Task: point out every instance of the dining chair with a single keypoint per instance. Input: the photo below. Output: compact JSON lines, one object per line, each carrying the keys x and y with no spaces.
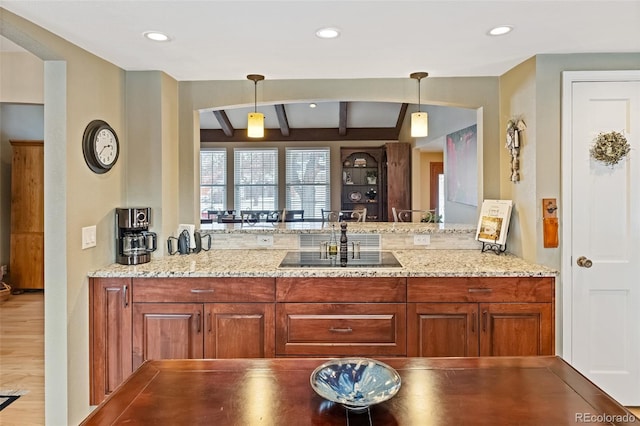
{"x":251,"y":217}
{"x":293,"y":215}
{"x":356,"y":215}
{"x":406,"y":215}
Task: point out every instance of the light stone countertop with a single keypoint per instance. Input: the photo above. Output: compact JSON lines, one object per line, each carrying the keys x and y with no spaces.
{"x":353,"y":228}
{"x":264,"y":263}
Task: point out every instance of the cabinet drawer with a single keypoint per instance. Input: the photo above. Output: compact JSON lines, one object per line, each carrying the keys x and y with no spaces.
{"x":176,"y":290}
{"x":340,"y":329}
{"x":327,"y":290}
{"x":481,"y":289}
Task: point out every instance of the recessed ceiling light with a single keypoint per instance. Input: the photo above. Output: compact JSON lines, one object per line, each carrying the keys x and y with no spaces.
{"x":156,"y":36}
{"x":313,"y":105}
{"x":501,"y":30}
{"x":328,"y":32}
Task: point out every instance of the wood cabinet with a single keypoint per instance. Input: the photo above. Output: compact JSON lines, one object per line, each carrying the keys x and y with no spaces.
{"x":202,"y":318}
{"x":26,"y":258}
{"x":340,"y":316}
{"x":480,"y":316}
{"x":134,"y":320}
{"x":167,"y":331}
{"x":110,"y":335}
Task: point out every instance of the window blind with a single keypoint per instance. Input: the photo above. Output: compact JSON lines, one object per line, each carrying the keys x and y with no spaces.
{"x":213,"y":181}
{"x":307,"y":180}
{"x":256,"y":179}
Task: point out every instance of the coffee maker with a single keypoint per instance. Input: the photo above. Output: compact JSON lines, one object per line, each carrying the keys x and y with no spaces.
{"x":134,"y":241}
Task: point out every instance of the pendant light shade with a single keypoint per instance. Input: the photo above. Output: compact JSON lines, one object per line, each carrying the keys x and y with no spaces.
{"x":255,"y":119}
{"x":255,"y":125}
{"x":419,"y":120}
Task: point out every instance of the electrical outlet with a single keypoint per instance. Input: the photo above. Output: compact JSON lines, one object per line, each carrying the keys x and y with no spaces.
{"x":88,"y":237}
{"x":265,"y":240}
{"x":421,"y":240}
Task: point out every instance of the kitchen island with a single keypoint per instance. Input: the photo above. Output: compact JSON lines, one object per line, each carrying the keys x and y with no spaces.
{"x":435,"y":391}
{"x":239,"y":303}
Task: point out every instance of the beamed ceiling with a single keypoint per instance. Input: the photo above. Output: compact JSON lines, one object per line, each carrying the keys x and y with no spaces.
{"x":334,"y":121}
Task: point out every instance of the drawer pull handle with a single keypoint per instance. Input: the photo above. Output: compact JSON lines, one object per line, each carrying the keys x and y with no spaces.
{"x":125,"y":295}
{"x":341,"y":330}
{"x":202,"y":290}
{"x":480,"y":290}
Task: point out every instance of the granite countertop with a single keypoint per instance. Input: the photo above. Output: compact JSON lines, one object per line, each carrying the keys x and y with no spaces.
{"x":264,"y":263}
{"x":354,"y":228}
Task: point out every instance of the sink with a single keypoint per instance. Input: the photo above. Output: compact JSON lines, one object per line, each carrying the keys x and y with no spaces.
{"x":366,"y":259}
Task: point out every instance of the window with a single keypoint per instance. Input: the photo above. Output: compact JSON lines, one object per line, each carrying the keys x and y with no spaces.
{"x":256,"y":179}
{"x":213,"y":181}
{"x":307,"y":181}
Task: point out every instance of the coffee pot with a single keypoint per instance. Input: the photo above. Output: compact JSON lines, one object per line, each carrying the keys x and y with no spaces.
{"x":138,"y":243}
{"x":184,"y":243}
{"x":134,"y":241}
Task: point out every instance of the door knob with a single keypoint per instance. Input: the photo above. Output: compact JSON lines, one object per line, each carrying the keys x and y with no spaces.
{"x":584,"y":262}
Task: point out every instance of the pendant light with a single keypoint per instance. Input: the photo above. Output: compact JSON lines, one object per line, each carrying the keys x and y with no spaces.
{"x":419,"y":120}
{"x":255,"y":121}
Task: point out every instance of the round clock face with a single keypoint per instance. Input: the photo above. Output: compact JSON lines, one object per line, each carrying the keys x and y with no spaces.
{"x":100,"y":146}
{"x":106,"y":146}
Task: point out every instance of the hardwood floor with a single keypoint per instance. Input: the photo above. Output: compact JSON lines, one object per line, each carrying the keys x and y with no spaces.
{"x":22,"y":357}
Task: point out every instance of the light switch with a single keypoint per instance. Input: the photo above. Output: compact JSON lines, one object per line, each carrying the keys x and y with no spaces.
{"x":88,"y":237}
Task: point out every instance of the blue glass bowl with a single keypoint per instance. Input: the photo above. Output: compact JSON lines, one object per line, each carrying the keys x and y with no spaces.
{"x":356,"y":383}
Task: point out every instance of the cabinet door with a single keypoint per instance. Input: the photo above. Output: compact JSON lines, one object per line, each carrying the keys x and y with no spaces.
{"x":239,"y":330}
{"x":167,"y":331}
{"x":110,"y":337}
{"x":516,"y":329}
{"x":442,"y":329}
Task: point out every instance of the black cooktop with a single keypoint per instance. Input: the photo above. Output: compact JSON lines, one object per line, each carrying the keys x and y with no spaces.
{"x":365,"y":259}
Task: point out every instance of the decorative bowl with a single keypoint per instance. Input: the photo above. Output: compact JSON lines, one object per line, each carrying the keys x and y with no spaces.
{"x":356,"y":383}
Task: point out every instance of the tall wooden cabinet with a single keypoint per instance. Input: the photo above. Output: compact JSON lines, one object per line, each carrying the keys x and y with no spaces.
{"x":26,"y":259}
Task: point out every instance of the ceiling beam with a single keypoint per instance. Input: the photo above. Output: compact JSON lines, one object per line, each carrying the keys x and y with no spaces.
{"x":401,"y":116}
{"x":282,"y":119}
{"x":305,"y":135}
{"x":222,"y":118}
{"x":342,"y":122}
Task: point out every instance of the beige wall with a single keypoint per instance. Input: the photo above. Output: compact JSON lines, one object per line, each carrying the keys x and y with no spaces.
{"x":476,"y":92}
{"x":21,"y":78}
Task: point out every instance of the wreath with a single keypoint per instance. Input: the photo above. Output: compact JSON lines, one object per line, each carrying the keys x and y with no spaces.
{"x":610,"y":148}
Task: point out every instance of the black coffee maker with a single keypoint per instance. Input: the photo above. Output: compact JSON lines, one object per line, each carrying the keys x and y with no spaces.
{"x":134,"y":241}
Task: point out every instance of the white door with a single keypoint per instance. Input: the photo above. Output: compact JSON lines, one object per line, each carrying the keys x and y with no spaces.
{"x":602,"y":217}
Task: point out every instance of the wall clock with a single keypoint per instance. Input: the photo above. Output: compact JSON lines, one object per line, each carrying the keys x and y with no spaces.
{"x":100,"y":146}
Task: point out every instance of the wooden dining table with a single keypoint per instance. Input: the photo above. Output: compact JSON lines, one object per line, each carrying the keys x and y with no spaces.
{"x":435,"y":391}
